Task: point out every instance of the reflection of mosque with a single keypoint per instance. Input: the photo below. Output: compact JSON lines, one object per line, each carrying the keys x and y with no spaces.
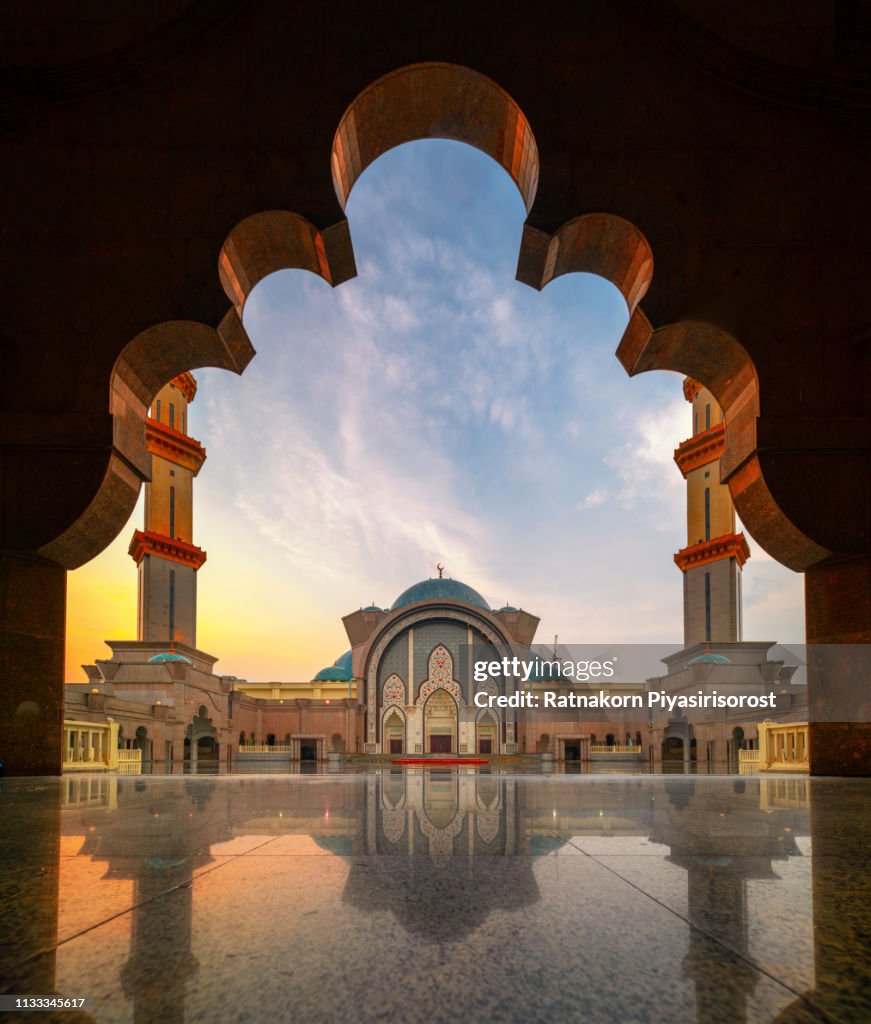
{"x":439,"y":850}
{"x":425,"y":835}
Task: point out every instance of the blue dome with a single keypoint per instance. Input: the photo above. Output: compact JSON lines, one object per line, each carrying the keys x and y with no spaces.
{"x":435,"y":590}
{"x":372,"y":608}
{"x":710,"y":659}
{"x":344,"y":661}
{"x":508,"y":608}
{"x":333,"y":674}
{"x":160,"y":659}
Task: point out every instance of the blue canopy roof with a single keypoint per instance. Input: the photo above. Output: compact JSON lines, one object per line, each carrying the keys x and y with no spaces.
{"x":710,"y":659}
{"x":165,"y":656}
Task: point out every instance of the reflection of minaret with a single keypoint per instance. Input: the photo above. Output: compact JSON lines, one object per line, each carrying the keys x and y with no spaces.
{"x":162,"y":924}
{"x":716,"y":893}
{"x":168,"y":559}
{"x":712,"y":560}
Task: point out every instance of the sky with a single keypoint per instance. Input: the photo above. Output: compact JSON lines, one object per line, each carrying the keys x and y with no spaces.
{"x":430,"y":410}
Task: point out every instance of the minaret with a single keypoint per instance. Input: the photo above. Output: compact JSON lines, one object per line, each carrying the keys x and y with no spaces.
{"x":712,"y":560}
{"x":168,"y":559}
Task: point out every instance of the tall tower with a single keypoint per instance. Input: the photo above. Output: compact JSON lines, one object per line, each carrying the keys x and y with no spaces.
{"x":168,"y":559}
{"x":713,"y":558}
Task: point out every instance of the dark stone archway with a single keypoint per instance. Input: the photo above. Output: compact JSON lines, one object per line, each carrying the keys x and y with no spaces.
{"x":140,"y":153}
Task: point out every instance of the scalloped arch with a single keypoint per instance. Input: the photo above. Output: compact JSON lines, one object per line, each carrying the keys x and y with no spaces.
{"x":717,"y":359}
{"x":148,"y":362}
{"x":434,"y":100}
{"x":594,"y":243}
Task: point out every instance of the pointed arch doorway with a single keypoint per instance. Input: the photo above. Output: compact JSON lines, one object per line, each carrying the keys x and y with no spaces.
{"x":440,"y":723}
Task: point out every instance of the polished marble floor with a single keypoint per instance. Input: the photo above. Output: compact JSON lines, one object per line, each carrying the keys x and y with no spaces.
{"x":451,"y":895}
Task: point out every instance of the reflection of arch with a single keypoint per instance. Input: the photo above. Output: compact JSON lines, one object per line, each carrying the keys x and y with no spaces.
{"x":487,"y":793}
{"x":487,"y":824}
{"x":393,"y":730}
{"x":441,"y":818}
{"x":393,"y":807}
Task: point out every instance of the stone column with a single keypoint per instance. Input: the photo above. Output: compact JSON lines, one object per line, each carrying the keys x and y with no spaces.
{"x":32,"y":634}
{"x":838,"y":612}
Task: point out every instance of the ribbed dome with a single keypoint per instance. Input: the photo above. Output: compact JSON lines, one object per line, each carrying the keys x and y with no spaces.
{"x":165,"y":656}
{"x":440,"y":589}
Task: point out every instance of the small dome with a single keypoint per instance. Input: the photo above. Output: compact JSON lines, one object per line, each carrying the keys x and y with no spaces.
{"x":440,"y":589}
{"x":710,"y":659}
{"x":344,"y":661}
{"x":508,"y":608}
{"x":162,"y":658}
{"x":333,"y":674}
{"x":372,"y":608}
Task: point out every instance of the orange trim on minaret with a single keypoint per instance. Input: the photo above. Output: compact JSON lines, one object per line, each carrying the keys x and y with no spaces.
{"x":147,"y":543}
{"x":186,"y":384}
{"x":701,"y":449}
{"x":691,"y":388}
{"x":731,"y":545}
{"x":174,"y":446}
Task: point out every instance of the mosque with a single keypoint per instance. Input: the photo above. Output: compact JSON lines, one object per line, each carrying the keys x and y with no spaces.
{"x":405,"y":686}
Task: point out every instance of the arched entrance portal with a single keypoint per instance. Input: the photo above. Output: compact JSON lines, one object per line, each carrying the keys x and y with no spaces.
{"x":440,"y":723}
{"x":394,"y":732}
{"x":672,"y":748}
{"x":487,"y":738}
{"x":201,"y":742}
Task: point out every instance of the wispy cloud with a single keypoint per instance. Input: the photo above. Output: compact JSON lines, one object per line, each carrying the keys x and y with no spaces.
{"x":595,"y":498}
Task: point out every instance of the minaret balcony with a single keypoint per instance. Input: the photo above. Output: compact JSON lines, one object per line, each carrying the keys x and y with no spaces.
{"x":147,"y":543}
{"x":175,"y":447}
{"x":730,"y":545}
{"x":701,"y":449}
